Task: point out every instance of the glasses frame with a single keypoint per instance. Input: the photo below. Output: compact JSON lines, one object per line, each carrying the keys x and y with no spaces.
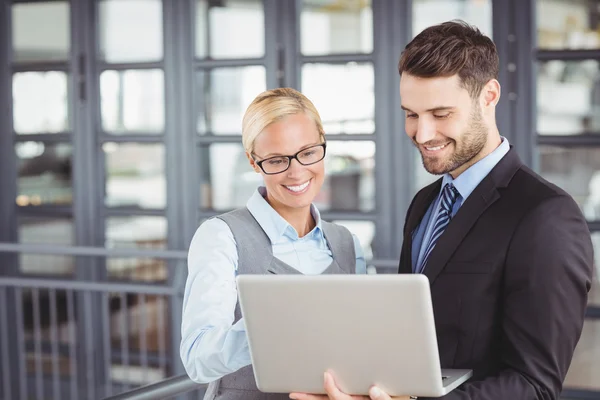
{"x":290,"y":158}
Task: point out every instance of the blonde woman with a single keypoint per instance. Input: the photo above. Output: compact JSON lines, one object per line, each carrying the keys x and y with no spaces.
{"x":279,"y":231}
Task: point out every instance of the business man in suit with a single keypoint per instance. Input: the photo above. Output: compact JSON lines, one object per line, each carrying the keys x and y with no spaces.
{"x":508,"y":255}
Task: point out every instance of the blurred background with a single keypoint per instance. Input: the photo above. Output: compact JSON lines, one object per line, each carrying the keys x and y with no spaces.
{"x":120,"y":133}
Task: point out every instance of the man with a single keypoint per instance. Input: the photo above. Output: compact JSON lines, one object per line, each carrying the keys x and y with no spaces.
{"x":508,"y":255}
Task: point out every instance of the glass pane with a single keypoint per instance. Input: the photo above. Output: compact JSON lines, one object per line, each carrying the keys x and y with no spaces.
{"x":139,"y":319}
{"x":585,"y":368}
{"x":594,"y":296}
{"x":36,"y":264}
{"x":40,"y":31}
{"x":225,"y":93}
{"x":46,"y":230}
{"x":136,"y":232}
{"x":576,"y":170}
{"x":45,"y":175}
{"x":40,"y":102}
{"x":568,"y":97}
{"x":430,"y":12}
{"x":349,"y":177}
{"x":365,"y":232}
{"x":135,"y":175}
{"x":47,"y":303}
{"x":131,"y":31}
{"x":143,"y":232}
{"x":344,"y":27}
{"x":137,"y":269}
{"x":229,"y":181}
{"x":133,"y":101}
{"x":230,"y":29}
{"x":568,"y":24}
{"x":343,"y":95}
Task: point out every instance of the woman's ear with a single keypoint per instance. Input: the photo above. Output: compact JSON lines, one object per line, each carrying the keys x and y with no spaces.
{"x":253,"y":164}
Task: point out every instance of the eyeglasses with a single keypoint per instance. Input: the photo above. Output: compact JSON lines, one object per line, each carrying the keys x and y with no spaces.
{"x":279,"y":164}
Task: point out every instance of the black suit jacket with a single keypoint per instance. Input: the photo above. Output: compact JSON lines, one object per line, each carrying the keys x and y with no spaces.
{"x":509,"y":280}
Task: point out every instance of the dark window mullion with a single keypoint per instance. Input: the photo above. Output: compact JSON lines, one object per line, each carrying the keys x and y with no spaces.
{"x":120,"y":211}
{"x":44,"y":137}
{"x":41,"y":67}
{"x":592,"y":312}
{"x":579,"y":394}
{"x":567,"y":55}
{"x":594,"y":226}
{"x":587,"y":139}
{"x":203,"y":140}
{"x":38,"y":1}
{"x":338,"y":58}
{"x":45,"y":210}
{"x":128,"y":137}
{"x":207,"y":64}
{"x":103,"y":66}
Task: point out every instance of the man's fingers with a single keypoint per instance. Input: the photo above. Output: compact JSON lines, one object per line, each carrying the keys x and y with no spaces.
{"x":304,"y":396}
{"x":332,"y":389}
{"x":377,"y":394}
{"x":333,"y":392}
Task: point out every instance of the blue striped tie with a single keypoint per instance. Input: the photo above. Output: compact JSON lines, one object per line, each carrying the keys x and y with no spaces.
{"x":449,"y":196}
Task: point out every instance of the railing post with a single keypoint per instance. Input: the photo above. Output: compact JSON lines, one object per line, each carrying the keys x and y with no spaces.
{"x":9,"y":263}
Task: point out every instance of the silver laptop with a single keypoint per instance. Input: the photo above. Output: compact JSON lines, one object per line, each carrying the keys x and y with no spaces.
{"x":367,"y":329}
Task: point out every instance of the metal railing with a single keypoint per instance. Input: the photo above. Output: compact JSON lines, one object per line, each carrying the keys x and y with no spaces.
{"x":161,"y":390}
{"x":183,"y":384}
{"x":89,"y":323}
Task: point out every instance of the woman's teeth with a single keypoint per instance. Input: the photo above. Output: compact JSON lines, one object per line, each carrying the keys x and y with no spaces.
{"x":298,"y":188}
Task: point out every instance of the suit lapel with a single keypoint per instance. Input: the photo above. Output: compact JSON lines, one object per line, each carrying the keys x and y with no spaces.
{"x":421,"y":205}
{"x":484,"y":195}
{"x":415,"y":214}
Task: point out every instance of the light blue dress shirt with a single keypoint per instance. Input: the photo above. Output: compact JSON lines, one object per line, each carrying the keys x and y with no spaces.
{"x":212,"y":345}
{"x":465,"y":183}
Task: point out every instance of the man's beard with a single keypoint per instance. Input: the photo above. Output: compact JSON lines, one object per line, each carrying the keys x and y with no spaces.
{"x":471,"y":144}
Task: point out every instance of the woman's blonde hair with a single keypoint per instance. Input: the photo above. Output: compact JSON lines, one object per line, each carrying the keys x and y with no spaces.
{"x":272,"y":106}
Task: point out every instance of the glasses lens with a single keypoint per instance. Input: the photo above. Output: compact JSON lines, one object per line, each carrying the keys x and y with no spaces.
{"x":275,"y":165}
{"x":312,"y":155}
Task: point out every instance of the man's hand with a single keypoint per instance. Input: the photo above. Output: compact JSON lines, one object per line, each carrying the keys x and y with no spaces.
{"x":334,"y":393}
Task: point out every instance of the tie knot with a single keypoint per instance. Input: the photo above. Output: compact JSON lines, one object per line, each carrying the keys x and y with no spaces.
{"x":449,"y":196}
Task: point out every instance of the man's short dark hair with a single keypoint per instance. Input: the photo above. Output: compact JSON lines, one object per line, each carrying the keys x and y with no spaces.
{"x":450,"y":48}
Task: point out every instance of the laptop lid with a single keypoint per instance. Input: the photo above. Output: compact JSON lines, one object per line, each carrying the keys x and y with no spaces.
{"x":367,"y":329}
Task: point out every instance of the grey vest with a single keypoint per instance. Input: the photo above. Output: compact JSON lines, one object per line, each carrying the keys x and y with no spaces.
{"x":255,"y":256}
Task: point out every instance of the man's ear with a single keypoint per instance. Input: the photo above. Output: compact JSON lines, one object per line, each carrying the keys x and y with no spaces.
{"x":253,"y":164}
{"x":490,"y":94}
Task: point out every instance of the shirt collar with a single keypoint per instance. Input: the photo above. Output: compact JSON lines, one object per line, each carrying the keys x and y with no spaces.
{"x":274,"y":225}
{"x":468,"y":180}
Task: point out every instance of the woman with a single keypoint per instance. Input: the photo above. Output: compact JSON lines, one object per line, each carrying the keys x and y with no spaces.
{"x":279,"y":231}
